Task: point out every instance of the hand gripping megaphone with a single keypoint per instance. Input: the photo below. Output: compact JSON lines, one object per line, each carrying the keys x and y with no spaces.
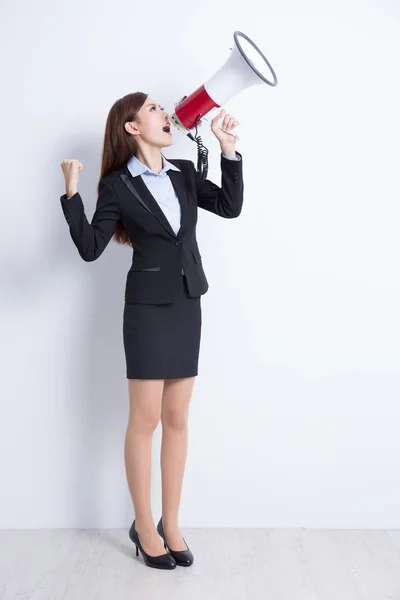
{"x":246,"y":66}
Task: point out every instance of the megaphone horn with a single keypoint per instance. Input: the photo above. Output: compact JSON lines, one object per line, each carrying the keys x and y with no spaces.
{"x":246,"y":66}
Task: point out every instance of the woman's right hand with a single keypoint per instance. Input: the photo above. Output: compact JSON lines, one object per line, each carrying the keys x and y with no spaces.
{"x":71,"y":169}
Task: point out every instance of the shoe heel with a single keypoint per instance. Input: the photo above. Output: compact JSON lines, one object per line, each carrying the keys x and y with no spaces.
{"x":137,"y":551}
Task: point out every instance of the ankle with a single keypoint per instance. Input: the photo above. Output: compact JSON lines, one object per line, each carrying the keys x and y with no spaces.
{"x":145,"y":524}
{"x":169,"y":523}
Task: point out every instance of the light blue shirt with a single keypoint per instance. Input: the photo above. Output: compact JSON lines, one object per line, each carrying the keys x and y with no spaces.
{"x":160,"y":186}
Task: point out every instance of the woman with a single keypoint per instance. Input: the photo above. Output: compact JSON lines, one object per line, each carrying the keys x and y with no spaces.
{"x":150,"y":203}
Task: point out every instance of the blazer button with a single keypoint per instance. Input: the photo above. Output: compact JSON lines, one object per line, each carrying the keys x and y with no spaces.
{"x":178,"y":243}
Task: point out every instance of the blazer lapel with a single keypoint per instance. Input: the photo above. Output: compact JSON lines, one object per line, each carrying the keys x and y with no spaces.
{"x":142,"y":194}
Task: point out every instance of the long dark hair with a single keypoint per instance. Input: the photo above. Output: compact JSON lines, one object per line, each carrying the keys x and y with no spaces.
{"x":119,"y":145}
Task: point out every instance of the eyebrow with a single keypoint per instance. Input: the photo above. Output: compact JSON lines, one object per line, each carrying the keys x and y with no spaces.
{"x":154,"y":104}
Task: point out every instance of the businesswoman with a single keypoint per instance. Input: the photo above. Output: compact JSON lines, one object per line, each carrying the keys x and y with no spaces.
{"x":150,"y":204}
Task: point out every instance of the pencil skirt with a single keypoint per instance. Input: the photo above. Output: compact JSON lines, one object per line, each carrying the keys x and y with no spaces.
{"x":162,"y":341}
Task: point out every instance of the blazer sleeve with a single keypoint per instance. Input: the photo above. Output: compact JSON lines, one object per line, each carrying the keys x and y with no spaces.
{"x":92,"y":238}
{"x":225,"y":201}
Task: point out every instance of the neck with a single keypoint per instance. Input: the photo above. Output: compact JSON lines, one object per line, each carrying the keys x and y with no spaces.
{"x":151,"y":157}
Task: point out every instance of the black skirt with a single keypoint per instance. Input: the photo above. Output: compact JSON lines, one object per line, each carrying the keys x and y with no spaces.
{"x":162,"y":341}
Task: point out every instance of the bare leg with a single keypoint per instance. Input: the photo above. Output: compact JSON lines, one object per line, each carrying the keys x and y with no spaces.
{"x":174,"y":417}
{"x":145,"y":396}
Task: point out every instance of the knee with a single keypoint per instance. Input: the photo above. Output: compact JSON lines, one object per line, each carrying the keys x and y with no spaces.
{"x":175,"y":419}
{"x":144,"y":421}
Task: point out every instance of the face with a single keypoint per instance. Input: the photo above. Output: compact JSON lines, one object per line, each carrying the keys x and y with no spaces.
{"x":150,"y":125}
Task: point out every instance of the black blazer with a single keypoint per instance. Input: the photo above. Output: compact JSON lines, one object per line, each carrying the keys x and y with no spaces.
{"x":155,"y":276}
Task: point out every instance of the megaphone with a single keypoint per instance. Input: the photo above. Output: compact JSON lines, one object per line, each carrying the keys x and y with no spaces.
{"x":245,"y":67}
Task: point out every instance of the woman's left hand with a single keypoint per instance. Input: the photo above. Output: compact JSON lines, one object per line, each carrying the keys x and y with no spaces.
{"x":229,"y":122}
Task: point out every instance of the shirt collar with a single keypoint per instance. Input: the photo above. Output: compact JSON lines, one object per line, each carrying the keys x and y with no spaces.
{"x":137,"y":168}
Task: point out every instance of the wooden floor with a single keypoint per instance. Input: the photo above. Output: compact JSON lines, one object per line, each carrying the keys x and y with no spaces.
{"x":273,"y":564}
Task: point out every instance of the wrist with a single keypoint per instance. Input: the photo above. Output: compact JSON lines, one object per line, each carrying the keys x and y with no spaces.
{"x":228,"y":150}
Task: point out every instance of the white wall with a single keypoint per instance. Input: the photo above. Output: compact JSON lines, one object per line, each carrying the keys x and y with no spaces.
{"x":295,"y":415}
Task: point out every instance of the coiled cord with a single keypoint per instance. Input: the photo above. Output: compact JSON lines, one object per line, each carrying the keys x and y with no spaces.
{"x":202,"y":156}
{"x":202,"y":151}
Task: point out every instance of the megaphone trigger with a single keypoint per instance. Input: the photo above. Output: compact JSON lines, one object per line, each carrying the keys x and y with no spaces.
{"x":231,"y":132}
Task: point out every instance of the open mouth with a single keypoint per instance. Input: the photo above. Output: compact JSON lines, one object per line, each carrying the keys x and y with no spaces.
{"x":167,"y":129}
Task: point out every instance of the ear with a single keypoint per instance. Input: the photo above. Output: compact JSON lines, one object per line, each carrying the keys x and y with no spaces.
{"x":131,"y":127}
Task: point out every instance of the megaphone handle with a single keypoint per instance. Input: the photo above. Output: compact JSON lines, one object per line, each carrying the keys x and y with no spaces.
{"x":231,"y":132}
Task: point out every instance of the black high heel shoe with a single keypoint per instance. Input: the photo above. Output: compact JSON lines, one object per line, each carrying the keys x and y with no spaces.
{"x":162,"y":561}
{"x":183,"y":558}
